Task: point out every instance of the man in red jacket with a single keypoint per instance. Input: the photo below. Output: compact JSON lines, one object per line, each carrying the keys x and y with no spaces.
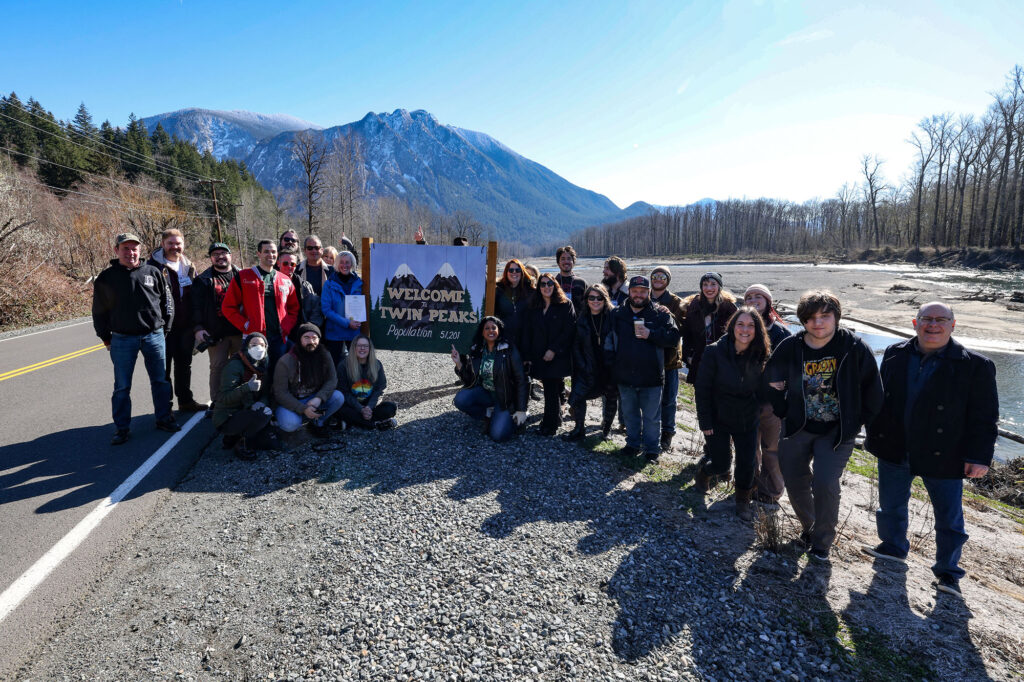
{"x":262,"y":299}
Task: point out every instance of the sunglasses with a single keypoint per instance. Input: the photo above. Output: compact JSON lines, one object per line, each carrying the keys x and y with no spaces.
{"x":515,"y":271}
{"x":290,"y":239}
{"x":313,"y":248}
{"x":547,"y":284}
{"x":594,"y":298}
{"x":659,"y":276}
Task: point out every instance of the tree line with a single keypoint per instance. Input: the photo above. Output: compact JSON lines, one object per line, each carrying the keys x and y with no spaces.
{"x":965,"y":188}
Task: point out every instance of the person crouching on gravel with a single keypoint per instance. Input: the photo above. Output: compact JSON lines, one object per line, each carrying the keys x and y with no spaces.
{"x":591,"y":378}
{"x":729,"y":394}
{"x":494,"y":380}
{"x":362,"y":381}
{"x":825,"y":386}
{"x":769,"y":477}
{"x":240,"y":410}
{"x":304,"y":384}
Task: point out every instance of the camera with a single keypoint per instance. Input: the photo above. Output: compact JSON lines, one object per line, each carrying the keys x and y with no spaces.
{"x":203,"y":345}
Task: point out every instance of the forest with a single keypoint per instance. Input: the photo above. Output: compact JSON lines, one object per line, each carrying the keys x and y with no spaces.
{"x":965,"y":190}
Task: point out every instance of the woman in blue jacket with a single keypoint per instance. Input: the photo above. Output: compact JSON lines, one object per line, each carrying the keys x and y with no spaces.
{"x":343,"y":282}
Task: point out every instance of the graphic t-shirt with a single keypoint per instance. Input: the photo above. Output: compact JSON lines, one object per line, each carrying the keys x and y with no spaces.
{"x":221,"y":281}
{"x":487,"y":371}
{"x":269,"y":304}
{"x":821,"y":402}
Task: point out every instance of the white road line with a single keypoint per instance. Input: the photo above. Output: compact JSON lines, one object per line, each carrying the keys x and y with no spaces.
{"x":35,"y":575}
{"x":52,"y":329}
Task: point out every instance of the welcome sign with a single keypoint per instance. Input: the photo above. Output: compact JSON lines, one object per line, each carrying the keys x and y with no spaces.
{"x":406,"y":315}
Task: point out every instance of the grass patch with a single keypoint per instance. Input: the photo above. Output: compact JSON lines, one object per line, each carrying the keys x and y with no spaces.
{"x":686,"y":396}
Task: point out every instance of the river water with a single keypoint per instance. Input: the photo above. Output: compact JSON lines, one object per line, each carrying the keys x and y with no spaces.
{"x":1009,"y":364}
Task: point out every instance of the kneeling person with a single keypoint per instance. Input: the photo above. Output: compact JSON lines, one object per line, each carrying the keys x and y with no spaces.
{"x":494,"y":380}
{"x":240,"y":409}
{"x":304,"y":384}
{"x":362,"y":381}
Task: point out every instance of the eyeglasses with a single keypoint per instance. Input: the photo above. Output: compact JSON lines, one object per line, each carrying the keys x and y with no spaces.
{"x":515,"y":271}
{"x":547,"y":284}
{"x":313,"y":248}
{"x":935,"y":320}
{"x":659,"y":276}
{"x":293,"y":240}
{"x":594,"y":298}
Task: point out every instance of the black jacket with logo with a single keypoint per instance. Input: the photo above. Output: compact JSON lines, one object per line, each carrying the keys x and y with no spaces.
{"x":634,"y":361}
{"x":954,"y":419}
{"x":133,"y":302}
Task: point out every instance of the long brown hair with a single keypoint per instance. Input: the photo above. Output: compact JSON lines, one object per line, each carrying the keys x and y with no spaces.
{"x":760,"y":347}
{"x":599,"y":288}
{"x":557,"y":296}
{"x":526,"y":281}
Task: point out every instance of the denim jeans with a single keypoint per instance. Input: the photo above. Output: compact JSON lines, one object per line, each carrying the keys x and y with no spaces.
{"x":946,"y":495}
{"x":124,"y":351}
{"x":475,"y":401}
{"x":669,"y":396}
{"x":288,"y":421}
{"x":641,"y":408}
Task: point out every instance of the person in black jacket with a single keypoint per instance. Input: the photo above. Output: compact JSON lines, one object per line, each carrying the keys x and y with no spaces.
{"x":635,"y":350}
{"x":729,"y":393}
{"x":547,"y":346}
{"x":707,"y":313}
{"x":825,"y":386}
{"x":131,"y":310}
{"x":572,"y":286}
{"x":939,"y":421}
{"x":769,"y":483}
{"x":512,"y":296}
{"x":362,"y":381}
{"x":591,"y":378}
{"x":614,"y":280}
{"x":221,"y":338}
{"x":494,"y":381}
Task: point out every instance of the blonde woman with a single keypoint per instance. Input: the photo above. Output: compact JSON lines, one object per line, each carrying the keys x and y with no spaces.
{"x":362,"y":381}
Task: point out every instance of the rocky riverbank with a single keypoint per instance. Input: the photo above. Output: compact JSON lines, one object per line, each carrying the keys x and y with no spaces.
{"x":428,"y":552}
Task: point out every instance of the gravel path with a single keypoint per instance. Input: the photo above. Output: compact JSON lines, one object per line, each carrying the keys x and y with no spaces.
{"x":430,"y":553}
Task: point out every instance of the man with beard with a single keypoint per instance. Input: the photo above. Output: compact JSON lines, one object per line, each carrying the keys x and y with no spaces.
{"x":210,"y":327}
{"x":660,"y":279}
{"x":180,"y":274}
{"x":572,"y":285}
{"x":641,"y":330}
{"x":614,"y":279}
{"x":131,"y":308}
{"x":304,"y":384}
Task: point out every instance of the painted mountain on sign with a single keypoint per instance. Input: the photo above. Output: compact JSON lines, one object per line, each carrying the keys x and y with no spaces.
{"x":445,"y":279}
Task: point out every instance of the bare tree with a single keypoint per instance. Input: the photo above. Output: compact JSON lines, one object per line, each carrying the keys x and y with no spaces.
{"x":309,"y":149}
{"x":873,"y":186}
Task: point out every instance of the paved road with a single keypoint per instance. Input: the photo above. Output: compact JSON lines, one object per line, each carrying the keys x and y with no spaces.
{"x":56,"y":465}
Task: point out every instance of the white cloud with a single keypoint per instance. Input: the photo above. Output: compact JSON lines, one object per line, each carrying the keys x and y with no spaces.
{"x":685,"y":84}
{"x":805,"y":37}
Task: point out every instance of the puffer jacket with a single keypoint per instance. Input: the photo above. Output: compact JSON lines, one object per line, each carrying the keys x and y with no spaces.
{"x":510,"y":384}
{"x":332,"y":303}
{"x":234,"y":393}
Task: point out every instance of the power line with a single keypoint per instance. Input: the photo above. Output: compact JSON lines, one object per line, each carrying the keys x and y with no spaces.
{"x":118,"y":202}
{"x":99,"y":151}
{"x":111,"y":144}
{"x":103,"y":177}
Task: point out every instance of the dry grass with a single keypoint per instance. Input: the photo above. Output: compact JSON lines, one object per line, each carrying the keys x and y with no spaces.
{"x":39,"y":294}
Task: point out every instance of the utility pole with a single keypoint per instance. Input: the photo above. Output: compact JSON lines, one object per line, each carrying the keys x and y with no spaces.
{"x":216,"y":209}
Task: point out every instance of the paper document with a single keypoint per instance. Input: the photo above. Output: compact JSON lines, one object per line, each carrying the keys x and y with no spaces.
{"x":355,"y":308}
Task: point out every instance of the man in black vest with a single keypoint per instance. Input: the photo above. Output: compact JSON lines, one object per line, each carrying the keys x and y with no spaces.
{"x":939,"y":422}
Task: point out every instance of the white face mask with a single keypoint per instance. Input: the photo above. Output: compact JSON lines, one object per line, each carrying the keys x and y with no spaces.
{"x":257,"y":353}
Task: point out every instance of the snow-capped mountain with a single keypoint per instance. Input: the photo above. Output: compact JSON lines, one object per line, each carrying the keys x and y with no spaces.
{"x":445,"y":279}
{"x":225,"y":134}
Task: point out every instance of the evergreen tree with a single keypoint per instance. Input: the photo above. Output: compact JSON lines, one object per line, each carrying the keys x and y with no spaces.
{"x":15,"y":132}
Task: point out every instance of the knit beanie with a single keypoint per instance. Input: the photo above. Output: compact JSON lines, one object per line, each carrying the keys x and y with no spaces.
{"x":251,"y":337}
{"x":712,"y":275}
{"x":759,"y":289}
{"x":305,"y":328}
{"x":662,"y":269}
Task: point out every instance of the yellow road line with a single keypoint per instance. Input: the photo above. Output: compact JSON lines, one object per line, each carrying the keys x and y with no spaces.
{"x":48,"y":363}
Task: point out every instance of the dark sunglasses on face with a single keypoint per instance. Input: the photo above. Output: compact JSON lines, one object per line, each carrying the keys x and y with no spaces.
{"x":313,"y":248}
{"x":594,"y":298}
{"x":290,"y":239}
{"x":515,"y":271}
{"x":547,"y":284}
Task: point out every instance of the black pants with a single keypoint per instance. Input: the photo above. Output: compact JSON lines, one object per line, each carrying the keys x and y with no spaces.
{"x":609,"y":406}
{"x":353,"y":414}
{"x":245,"y":423}
{"x":552,"y":402}
{"x":338,"y":350}
{"x":718,"y":455}
{"x":179,"y":343}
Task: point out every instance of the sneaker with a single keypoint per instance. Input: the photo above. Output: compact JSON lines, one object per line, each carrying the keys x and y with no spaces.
{"x":629,"y":451}
{"x":318,"y":430}
{"x":385,"y":424}
{"x":878,"y":553}
{"x":652,"y":456}
{"x":191,"y":406}
{"x":819,"y":556}
{"x":949,"y":585}
{"x":120,"y":437}
{"x":168,"y":425}
{"x":666,"y":441}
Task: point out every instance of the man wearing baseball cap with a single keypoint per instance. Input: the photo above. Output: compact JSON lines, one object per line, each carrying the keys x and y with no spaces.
{"x":210,"y":328}
{"x":641,"y":330}
{"x":132,"y":308}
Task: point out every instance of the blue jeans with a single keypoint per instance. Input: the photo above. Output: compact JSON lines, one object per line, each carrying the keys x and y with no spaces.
{"x":288,"y":421}
{"x":669,"y":395}
{"x":946,"y":495}
{"x":475,"y":401}
{"x":124,"y":351}
{"x":641,"y":408}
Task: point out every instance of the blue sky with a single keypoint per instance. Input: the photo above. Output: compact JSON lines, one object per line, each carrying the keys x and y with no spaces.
{"x":666,"y":102}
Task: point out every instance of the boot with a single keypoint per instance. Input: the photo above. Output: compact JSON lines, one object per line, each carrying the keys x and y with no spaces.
{"x":743,"y":497}
{"x":702,"y":481}
{"x":577,"y":431}
{"x":606,"y":428}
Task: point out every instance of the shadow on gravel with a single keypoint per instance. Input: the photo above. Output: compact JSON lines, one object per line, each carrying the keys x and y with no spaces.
{"x":68,"y":469}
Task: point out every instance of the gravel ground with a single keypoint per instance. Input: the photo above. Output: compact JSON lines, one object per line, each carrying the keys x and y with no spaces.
{"x":430,"y":553}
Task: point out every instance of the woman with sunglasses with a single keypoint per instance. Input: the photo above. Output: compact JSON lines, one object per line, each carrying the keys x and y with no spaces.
{"x":340,"y":330}
{"x":590,"y":376}
{"x":547,"y":346}
{"x":511,"y":298}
